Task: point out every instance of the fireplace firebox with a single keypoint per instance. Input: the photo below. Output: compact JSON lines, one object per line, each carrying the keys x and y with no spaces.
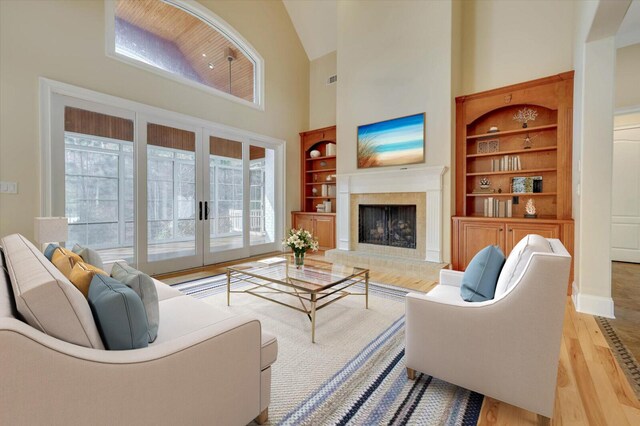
{"x":387,"y":225}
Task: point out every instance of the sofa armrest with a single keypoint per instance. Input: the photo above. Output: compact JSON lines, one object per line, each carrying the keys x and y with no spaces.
{"x":108,"y":265}
{"x":214,"y":371}
{"x":452,"y":278}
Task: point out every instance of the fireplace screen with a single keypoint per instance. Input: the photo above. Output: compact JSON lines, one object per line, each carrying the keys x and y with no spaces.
{"x":387,"y":225}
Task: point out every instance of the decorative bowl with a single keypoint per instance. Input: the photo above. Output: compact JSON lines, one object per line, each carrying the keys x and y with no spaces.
{"x":315,"y":153}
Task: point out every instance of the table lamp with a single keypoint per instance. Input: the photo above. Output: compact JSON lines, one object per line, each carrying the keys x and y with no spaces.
{"x":50,"y":230}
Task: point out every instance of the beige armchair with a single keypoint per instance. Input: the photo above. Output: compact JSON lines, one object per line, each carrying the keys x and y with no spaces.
{"x":506,"y":348}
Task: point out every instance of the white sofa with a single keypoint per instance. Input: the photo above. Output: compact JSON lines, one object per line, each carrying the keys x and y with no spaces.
{"x":205,"y":367}
{"x":506,"y":348}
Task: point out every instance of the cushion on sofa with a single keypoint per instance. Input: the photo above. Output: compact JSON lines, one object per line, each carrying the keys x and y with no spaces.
{"x":165,"y":291}
{"x":144,"y":287}
{"x":119,"y":314}
{"x":518,"y":259}
{"x":269,"y":350}
{"x":48,"y":252}
{"x":481,"y":276}
{"x":64,"y":260}
{"x":82,"y":274}
{"x":45,"y":298}
{"x":89,"y":255}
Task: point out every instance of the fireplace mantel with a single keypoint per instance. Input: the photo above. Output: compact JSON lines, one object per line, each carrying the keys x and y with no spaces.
{"x":415,"y":179}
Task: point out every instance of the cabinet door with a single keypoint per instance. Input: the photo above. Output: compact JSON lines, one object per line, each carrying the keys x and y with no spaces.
{"x":475,"y":236}
{"x":325,"y":232}
{"x":517,"y":231}
{"x":304,"y":221}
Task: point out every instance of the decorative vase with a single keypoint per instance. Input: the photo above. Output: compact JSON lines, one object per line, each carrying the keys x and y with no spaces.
{"x":315,"y":153}
{"x":524,"y":125}
{"x":299,"y":260}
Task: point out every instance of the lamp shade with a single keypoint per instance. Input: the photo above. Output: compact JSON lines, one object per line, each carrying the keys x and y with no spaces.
{"x":50,"y":229}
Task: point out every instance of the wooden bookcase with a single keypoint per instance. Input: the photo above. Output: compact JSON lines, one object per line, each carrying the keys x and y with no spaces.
{"x":316,"y":172}
{"x":547,"y":154}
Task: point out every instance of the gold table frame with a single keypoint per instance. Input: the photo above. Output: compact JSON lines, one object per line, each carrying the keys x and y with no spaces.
{"x":317,"y":295}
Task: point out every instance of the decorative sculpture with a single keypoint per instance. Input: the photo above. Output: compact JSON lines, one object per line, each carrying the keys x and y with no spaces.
{"x":530,"y":209}
{"x":525,"y":115}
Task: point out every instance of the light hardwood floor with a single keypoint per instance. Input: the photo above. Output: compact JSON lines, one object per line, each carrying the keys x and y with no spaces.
{"x":591,"y":388}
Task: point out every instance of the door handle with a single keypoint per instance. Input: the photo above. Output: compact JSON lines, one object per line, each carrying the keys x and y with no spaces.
{"x":206,"y":210}
{"x":200,"y":210}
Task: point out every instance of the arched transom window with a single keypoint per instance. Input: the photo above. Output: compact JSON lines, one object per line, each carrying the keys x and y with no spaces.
{"x":185,"y":41}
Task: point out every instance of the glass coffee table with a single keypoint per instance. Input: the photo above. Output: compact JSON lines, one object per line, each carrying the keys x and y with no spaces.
{"x":308,"y":289}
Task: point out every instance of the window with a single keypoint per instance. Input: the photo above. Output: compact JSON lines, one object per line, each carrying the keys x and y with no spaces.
{"x":186,"y":42}
{"x":99,"y":192}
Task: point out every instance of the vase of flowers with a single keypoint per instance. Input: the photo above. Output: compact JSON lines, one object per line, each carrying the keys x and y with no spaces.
{"x":300,"y":241}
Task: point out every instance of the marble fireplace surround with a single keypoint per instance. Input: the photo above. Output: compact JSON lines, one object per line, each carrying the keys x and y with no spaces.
{"x":421,"y":186}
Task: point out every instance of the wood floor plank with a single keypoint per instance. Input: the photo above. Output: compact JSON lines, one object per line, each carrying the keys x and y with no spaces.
{"x":585,"y":384}
{"x":569,"y":409}
{"x":618,"y":381}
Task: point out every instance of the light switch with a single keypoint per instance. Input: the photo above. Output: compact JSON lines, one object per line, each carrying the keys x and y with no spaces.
{"x":9,"y":187}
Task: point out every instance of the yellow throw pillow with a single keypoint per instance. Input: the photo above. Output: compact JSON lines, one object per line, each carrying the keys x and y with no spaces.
{"x":64,"y":260}
{"x":82,"y":274}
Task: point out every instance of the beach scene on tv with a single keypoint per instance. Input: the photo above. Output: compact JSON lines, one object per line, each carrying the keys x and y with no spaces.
{"x":392,"y":142}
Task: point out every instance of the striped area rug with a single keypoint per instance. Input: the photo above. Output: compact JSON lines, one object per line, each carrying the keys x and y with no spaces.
{"x":355,"y":373}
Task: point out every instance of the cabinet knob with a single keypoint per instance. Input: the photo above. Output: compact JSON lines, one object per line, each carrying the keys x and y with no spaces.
{"x":510,"y":230}
{"x":501,"y":229}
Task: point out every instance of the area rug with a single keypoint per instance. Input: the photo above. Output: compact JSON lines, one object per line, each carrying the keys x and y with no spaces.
{"x":355,"y":372}
{"x":625,"y":358}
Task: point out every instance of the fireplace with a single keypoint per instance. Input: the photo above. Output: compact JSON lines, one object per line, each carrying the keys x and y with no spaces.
{"x":387,"y":225}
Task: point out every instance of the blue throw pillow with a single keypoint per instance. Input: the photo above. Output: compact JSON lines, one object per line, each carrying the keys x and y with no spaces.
{"x":119,"y":314}
{"x":481,"y":276}
{"x":48,"y":252}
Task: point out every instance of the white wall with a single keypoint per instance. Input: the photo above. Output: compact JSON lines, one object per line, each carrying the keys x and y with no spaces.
{"x":395,"y":59}
{"x":595,"y":55}
{"x":511,"y":41}
{"x":628,"y":76}
{"x":322,"y":97}
{"x":65,"y":41}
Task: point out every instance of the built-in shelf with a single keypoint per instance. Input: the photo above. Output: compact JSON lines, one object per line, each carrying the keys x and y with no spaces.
{"x":321,"y":158}
{"x":321,"y":170}
{"x":321,"y":183}
{"x":324,"y":198}
{"x":514,"y":194}
{"x":514,"y":132}
{"x":513,"y":172}
{"x":514,"y":151}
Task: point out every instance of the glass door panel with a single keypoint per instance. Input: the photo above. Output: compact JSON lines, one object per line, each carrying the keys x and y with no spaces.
{"x":261,"y":195}
{"x":226,"y":195}
{"x":98,"y":182}
{"x":173,"y":209}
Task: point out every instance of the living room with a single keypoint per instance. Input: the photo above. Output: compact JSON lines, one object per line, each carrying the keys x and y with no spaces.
{"x":92,"y":128}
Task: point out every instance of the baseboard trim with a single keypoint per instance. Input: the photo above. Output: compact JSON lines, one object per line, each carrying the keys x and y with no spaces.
{"x":594,"y":305}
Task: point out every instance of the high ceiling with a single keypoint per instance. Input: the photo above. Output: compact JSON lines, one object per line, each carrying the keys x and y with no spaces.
{"x":200,"y":44}
{"x":629,"y":32}
{"x":316,"y":22}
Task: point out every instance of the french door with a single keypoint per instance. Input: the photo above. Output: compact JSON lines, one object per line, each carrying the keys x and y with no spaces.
{"x":163,"y":193}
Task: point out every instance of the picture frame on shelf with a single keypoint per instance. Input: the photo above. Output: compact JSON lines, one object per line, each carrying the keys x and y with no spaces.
{"x":488,"y":146}
{"x":526,"y":184}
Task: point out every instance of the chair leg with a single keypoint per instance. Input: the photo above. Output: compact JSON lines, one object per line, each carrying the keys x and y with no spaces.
{"x":263,"y":417}
{"x":411,"y":373}
{"x":543,"y":421}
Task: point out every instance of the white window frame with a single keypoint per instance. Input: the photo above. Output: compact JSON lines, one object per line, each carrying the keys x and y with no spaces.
{"x":218,"y":24}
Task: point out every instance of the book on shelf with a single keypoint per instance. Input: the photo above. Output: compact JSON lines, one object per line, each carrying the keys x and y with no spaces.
{"x":497,"y":208}
{"x":331,"y":191}
{"x":324,"y":190}
{"x":506,"y":163}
